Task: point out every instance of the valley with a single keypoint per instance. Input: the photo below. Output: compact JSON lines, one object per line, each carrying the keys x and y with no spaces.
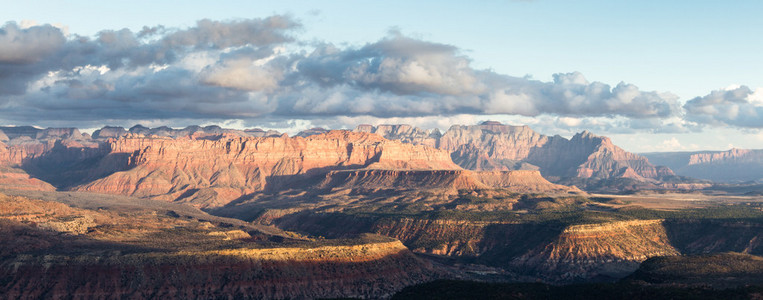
{"x":204,"y":212}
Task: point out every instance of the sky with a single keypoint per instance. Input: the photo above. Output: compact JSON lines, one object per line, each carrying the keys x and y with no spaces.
{"x":652,"y":75}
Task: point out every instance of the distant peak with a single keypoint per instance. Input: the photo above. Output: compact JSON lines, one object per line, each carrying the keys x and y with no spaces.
{"x":491,"y":123}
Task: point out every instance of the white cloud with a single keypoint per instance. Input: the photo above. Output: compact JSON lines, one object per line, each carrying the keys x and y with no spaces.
{"x":739,"y":107}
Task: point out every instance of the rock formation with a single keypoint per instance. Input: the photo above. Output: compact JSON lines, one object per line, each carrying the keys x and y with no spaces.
{"x":556,"y":254}
{"x":493,"y":146}
{"x":52,"y":250}
{"x":735,"y":165}
{"x":224,"y":169}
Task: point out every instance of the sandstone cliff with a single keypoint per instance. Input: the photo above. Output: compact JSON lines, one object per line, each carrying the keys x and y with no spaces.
{"x":493,"y":146}
{"x":358,"y":271}
{"x":442,"y":180}
{"x":553,"y":252}
{"x":213,"y":172}
{"x":586,"y":251}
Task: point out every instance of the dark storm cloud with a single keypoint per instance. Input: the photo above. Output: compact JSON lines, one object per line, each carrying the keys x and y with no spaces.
{"x":739,"y":107}
{"x":241,"y":69}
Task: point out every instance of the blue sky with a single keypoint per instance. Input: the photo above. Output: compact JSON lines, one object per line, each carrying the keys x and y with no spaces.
{"x":686,"y":48}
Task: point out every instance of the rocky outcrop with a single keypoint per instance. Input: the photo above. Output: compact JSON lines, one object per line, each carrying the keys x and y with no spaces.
{"x":586,"y":251}
{"x":493,"y":146}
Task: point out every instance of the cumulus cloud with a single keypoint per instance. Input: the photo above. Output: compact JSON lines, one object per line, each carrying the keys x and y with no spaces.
{"x":411,"y":76}
{"x":241,"y":69}
{"x":736,"y":106}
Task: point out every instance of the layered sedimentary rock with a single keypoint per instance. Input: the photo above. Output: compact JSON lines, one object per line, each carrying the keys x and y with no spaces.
{"x":224,"y":169}
{"x":610,"y":249}
{"x":365,"y":271}
{"x":441,"y":180}
{"x":493,"y":146}
{"x":52,"y":250}
{"x":552,"y":252}
{"x":212,"y":170}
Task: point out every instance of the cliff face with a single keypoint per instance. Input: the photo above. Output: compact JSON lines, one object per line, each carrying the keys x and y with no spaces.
{"x":213,"y":172}
{"x":608,"y":249}
{"x":442,"y":180}
{"x":363,"y":271}
{"x":493,"y":146}
{"x":552,"y":252}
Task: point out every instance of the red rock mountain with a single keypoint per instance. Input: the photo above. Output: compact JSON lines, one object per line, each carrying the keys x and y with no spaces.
{"x":494,"y":146}
{"x":193,"y":165}
{"x":213,"y":172}
{"x":210,"y":166}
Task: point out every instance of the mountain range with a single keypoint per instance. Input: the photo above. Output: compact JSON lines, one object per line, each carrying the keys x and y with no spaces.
{"x":164,"y":162}
{"x":478,"y":202}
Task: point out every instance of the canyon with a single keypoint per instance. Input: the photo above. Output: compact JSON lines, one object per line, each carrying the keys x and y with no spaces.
{"x":340,"y":213}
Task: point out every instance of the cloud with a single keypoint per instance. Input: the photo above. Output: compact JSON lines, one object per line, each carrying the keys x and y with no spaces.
{"x":735,"y":106}
{"x":241,"y":69}
{"x":413,"y":77}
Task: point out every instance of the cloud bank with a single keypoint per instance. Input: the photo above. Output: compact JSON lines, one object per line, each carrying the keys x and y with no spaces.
{"x":735,"y":106}
{"x":258,"y":69}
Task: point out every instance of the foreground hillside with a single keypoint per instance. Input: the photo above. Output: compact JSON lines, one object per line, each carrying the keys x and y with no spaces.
{"x":567,"y":239}
{"x":105,"y":248}
{"x":717,"y":276}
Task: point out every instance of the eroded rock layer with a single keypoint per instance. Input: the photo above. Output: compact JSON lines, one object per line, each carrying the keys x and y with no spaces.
{"x":213,"y":172}
{"x":363,"y":271}
{"x":494,"y":146}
